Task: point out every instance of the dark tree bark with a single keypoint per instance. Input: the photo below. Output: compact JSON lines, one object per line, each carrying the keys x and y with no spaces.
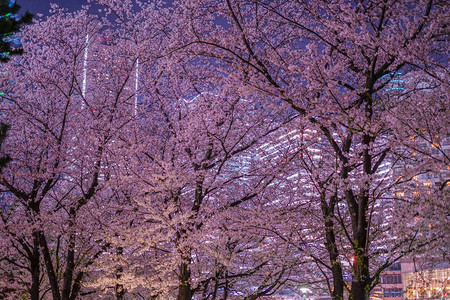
{"x":35,"y":268}
{"x":119,"y":290}
{"x":330,"y":244}
{"x":184,"y":289}
{"x":49,"y":266}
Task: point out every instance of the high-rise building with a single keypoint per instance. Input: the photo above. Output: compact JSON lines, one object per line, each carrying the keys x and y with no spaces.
{"x":102,"y":68}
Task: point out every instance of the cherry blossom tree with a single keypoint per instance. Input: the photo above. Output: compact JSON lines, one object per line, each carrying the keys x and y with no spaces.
{"x":69,"y":189}
{"x":192,"y":176}
{"x":213,"y":149}
{"x":61,"y":147}
{"x":336,"y":64}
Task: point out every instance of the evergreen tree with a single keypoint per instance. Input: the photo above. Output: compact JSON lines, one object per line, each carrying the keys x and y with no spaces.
{"x":9,"y":24}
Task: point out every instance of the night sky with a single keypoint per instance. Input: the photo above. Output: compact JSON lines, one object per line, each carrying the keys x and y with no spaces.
{"x":43,"y":6}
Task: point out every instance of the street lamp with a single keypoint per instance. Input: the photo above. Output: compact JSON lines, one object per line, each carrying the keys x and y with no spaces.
{"x":305,"y":292}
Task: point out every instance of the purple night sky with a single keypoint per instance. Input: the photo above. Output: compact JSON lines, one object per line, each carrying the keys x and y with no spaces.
{"x":43,"y":6}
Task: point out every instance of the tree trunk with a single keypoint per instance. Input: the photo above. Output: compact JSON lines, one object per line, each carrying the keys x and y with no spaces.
{"x":336,"y":268}
{"x":76,"y":286}
{"x":184,"y":289}
{"x":330,"y":244}
{"x":70,"y":266}
{"x":361,"y":276}
{"x":360,"y":286}
{"x":225,"y":289}
{"x":361,"y":281}
{"x":49,"y":266}
{"x":119,"y":290}
{"x":34,"y":267}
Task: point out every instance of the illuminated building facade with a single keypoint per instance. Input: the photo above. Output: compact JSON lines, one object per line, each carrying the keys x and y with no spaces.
{"x":427,"y":284}
{"x":100,"y":65}
{"x":391,"y":282}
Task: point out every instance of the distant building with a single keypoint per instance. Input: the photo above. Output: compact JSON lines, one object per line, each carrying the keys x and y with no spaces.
{"x":401,"y":282}
{"x":104,"y":70}
{"x":391,"y":282}
{"x":427,"y":284}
